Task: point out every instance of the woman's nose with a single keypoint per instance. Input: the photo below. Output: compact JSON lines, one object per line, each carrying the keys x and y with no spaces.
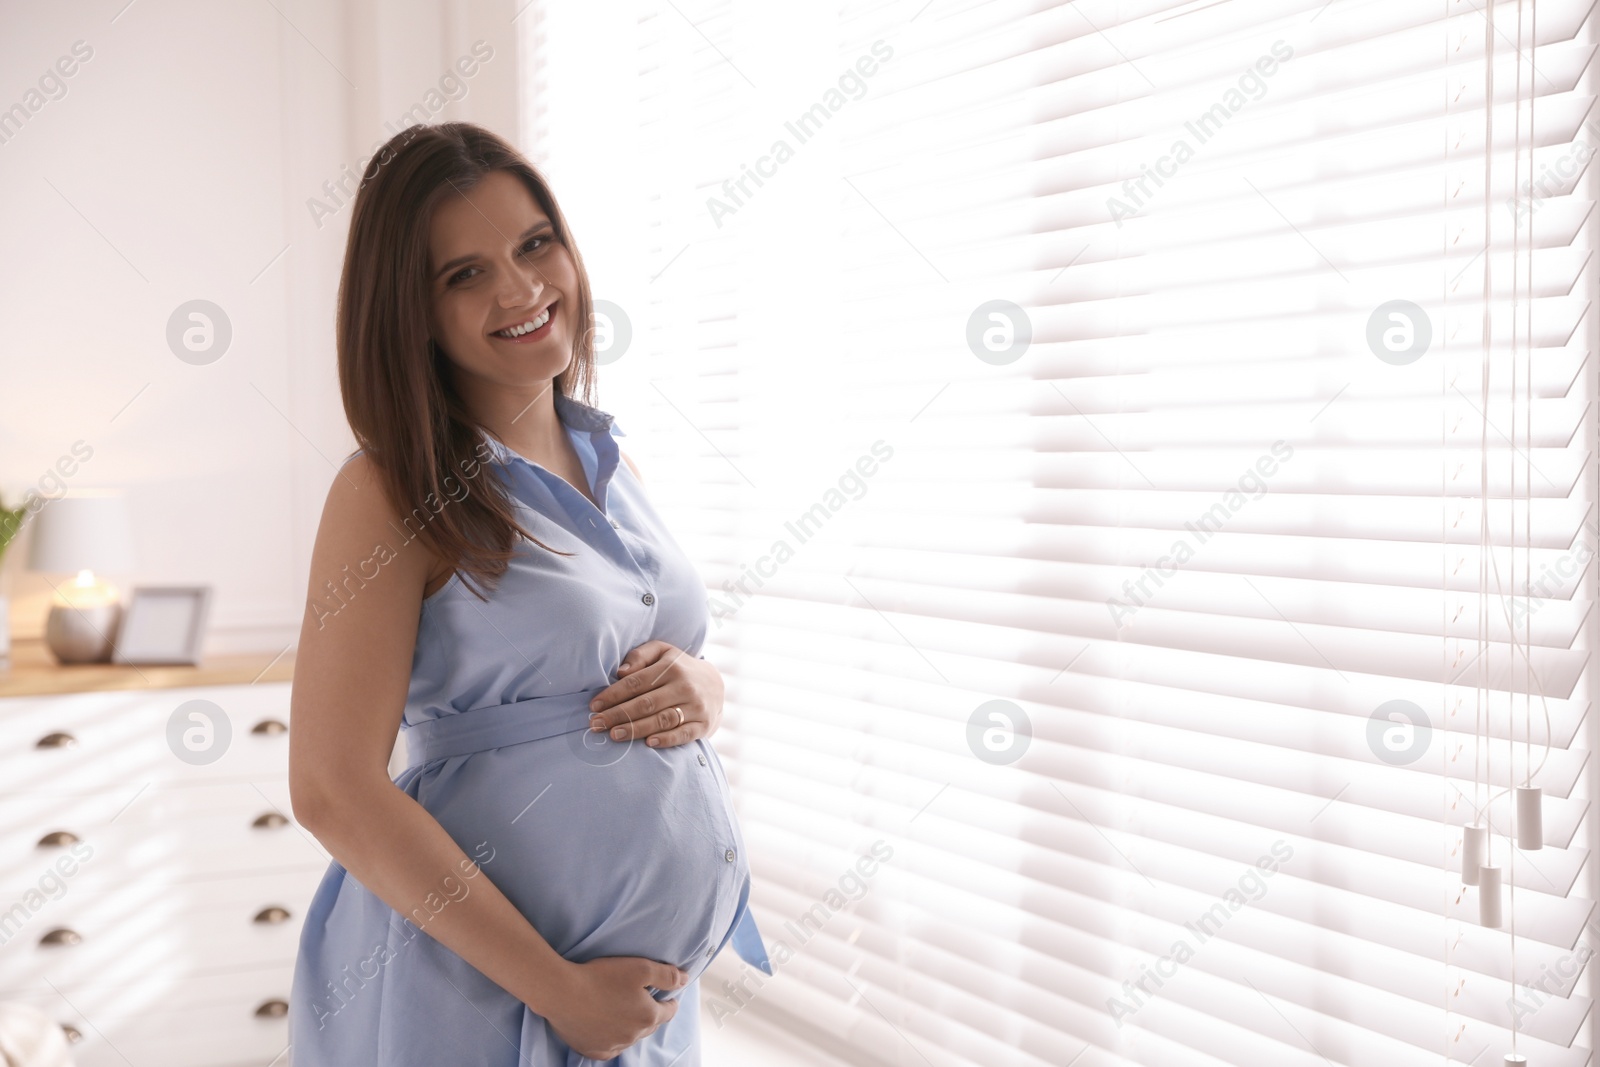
{"x":523,"y":284}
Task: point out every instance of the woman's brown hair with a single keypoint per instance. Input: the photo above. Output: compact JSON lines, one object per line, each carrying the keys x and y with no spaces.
{"x":396,"y":382}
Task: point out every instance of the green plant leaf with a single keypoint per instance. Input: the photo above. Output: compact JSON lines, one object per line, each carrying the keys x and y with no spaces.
{"x":10,"y":525}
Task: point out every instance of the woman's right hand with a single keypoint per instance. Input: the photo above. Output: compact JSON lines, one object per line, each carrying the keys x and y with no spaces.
{"x":602,"y":1006}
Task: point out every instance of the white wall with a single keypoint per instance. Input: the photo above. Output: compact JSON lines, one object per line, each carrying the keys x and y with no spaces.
{"x":178,"y":164}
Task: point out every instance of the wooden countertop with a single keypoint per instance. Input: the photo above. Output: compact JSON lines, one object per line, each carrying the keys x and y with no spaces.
{"x":34,"y":672}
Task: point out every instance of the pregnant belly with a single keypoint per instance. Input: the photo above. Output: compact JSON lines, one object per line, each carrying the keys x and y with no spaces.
{"x":608,"y":848}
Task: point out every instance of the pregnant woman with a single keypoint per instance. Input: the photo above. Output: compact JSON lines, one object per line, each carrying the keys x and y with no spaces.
{"x":545,"y":881}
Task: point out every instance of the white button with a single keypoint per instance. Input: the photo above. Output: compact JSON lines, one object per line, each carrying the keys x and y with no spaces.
{"x":728,"y":855}
{"x":648,"y":599}
{"x":702,"y":760}
{"x":614,"y":525}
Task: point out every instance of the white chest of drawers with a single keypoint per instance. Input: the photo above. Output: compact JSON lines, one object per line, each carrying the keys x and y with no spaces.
{"x":151,"y":896}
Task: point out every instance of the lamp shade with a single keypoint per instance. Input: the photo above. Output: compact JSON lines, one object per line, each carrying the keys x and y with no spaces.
{"x":84,"y":530}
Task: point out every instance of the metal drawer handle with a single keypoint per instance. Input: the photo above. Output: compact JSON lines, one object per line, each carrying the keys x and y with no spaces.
{"x":74,"y":1035}
{"x":59,"y":839}
{"x":272,"y":914}
{"x":269,"y":820}
{"x":272,"y":1009}
{"x":61,"y":936}
{"x":57,"y":740}
{"x":269,"y":726}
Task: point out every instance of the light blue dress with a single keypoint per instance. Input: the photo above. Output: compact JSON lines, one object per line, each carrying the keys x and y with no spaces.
{"x":609,"y":848}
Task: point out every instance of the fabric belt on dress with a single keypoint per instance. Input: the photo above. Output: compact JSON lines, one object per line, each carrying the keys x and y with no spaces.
{"x":533,"y":719}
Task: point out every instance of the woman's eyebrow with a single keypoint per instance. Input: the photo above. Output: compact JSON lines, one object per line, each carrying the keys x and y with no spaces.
{"x":538,"y":227}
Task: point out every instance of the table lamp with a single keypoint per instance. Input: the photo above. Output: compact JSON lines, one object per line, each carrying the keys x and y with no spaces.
{"x":86,"y":533}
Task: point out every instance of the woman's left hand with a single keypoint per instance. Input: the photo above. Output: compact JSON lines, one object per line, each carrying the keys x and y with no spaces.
{"x":661,"y":694}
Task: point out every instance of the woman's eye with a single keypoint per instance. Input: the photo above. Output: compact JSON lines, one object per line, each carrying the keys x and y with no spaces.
{"x":462,"y":274}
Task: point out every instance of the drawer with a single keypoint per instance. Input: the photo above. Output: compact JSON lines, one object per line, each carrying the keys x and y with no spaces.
{"x":159,"y":832}
{"x":147,"y":930}
{"x":199,"y":1021}
{"x":91,"y":740}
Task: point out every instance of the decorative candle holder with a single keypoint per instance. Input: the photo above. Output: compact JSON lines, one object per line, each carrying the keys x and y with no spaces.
{"x":1489,"y":882}
{"x":1530,"y":818}
{"x":1474,"y":841}
{"x":87,"y":533}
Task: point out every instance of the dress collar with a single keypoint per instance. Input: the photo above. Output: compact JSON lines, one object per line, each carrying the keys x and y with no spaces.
{"x":575,"y":415}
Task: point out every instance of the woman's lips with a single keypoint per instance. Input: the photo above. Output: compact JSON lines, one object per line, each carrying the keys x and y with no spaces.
{"x":536,"y":335}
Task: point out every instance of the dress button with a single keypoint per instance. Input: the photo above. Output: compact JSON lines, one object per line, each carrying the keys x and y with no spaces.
{"x":728,"y":855}
{"x":648,"y":599}
{"x":614,"y":525}
{"x":702,"y":760}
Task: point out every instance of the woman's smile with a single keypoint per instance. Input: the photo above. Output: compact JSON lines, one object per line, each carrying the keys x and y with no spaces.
{"x":528,"y":330}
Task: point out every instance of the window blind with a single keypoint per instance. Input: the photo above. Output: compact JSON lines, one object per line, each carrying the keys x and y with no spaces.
{"x":1140,"y":455}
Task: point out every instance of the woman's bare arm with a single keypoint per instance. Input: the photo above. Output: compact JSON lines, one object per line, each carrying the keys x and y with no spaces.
{"x":352,"y":673}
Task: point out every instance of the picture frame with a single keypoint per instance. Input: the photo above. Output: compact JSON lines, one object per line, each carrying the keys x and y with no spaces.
{"x":163,"y":625}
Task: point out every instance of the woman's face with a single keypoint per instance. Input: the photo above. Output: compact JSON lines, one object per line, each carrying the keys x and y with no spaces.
{"x":495,"y":266}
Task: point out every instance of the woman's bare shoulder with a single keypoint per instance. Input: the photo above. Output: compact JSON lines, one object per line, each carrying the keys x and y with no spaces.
{"x":363,"y":501}
{"x":360,"y":518}
{"x":358,"y":494}
{"x":634,"y":467}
